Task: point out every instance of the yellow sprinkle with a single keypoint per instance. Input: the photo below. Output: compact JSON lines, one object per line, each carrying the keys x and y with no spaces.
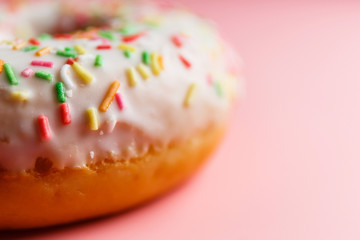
{"x":109,"y":96}
{"x":161,"y":62}
{"x":20,"y":96}
{"x":19,"y":46}
{"x":80,"y":49}
{"x":131,"y":76}
{"x":43,"y":51}
{"x":155,"y":65}
{"x":189,"y":98}
{"x":143,"y":71}
{"x":92,"y":118}
{"x":83,"y":74}
{"x":8,"y":42}
{"x":127,"y":47}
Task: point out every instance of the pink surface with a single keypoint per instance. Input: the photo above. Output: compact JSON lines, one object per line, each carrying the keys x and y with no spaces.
{"x":289,"y":167}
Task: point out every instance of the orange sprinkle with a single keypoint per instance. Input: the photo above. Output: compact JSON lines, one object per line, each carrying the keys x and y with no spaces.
{"x":19,"y":46}
{"x":43,"y":51}
{"x":161,"y":62}
{"x":109,"y":96}
{"x":1,"y":65}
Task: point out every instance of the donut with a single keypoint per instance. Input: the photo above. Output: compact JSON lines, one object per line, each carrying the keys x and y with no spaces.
{"x":104,"y":113}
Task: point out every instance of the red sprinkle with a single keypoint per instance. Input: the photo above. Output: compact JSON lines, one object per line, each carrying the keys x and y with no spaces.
{"x":34,"y":41}
{"x":42,"y":64}
{"x":185,"y":61}
{"x":103,"y":47}
{"x":119,"y":101}
{"x":70,"y":61}
{"x":134,"y":37}
{"x":65,"y":113}
{"x":177,"y":41}
{"x":63,"y":36}
{"x":44,"y":128}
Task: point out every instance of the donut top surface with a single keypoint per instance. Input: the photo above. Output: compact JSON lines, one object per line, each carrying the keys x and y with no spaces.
{"x":145,"y":80}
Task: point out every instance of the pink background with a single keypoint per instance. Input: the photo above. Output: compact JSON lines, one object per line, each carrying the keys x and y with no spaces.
{"x":289,"y":166}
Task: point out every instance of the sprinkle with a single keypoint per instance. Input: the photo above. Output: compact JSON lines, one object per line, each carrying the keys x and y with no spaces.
{"x":10,"y":74}
{"x":107,"y":34}
{"x":131,"y":76}
{"x":146,"y":58}
{"x":127,"y":47}
{"x":43,"y":51}
{"x":69,"y":49}
{"x":109,"y":96}
{"x":63,"y":36}
{"x":66,"y":54}
{"x":128,"y":30}
{"x":155,"y":66}
{"x":44,"y":75}
{"x":34,"y":41}
{"x":127,"y":53}
{"x":110,"y":124}
{"x":27,"y":72}
{"x":19,"y":46}
{"x":104,"y":46}
{"x":80,"y":49}
{"x":30,"y":48}
{"x":92,"y":118}
{"x":70,"y":61}
{"x":1,"y":65}
{"x":83,"y":74}
{"x":44,"y":128}
{"x":42,"y":64}
{"x":64,"y":74}
{"x":177,"y":41}
{"x":60,"y":92}
{"x":190,"y":95}
{"x":20,"y":96}
{"x":44,"y":36}
{"x":185,"y":61}
{"x":161,"y":62}
{"x":119,"y":101}
{"x":132,"y":38}
{"x":98,"y":60}
{"x":143,"y":71}
{"x":218,"y":88}
{"x":65,"y":113}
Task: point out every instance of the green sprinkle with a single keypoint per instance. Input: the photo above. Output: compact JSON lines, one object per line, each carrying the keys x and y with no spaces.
{"x":146,"y":58}
{"x":44,"y":75}
{"x":60,"y":92}
{"x":66,"y":54}
{"x":107,"y":34}
{"x":10,"y":74}
{"x":44,"y":36}
{"x":98,"y":60}
{"x":218,"y":88}
{"x":67,"y":49}
{"x":30,"y":48}
{"x":129,"y":30}
{"x":127,"y":53}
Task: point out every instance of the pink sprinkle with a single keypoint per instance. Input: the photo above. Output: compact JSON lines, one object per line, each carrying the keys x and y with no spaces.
{"x":177,"y":41}
{"x":42,"y":64}
{"x":185,"y":61}
{"x":27,"y":72}
{"x":119,"y":101}
{"x":44,"y":128}
{"x":209,"y":79}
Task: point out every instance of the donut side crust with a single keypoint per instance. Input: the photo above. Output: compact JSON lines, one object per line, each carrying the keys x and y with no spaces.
{"x":48,"y":196}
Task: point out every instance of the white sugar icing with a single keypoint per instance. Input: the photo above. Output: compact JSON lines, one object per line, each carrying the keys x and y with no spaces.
{"x":154,"y":114}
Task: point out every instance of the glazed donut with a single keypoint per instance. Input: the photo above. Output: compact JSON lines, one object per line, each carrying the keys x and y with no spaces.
{"x":95,"y":120}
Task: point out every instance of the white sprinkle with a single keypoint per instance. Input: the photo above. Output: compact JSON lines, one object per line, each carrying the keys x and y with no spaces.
{"x":64,"y":73}
{"x":69,"y":93}
{"x":101,"y":133}
{"x":92,"y":154}
{"x":110,"y":125}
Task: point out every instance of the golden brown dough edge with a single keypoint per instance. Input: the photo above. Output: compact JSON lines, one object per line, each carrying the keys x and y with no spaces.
{"x":34,"y":199}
